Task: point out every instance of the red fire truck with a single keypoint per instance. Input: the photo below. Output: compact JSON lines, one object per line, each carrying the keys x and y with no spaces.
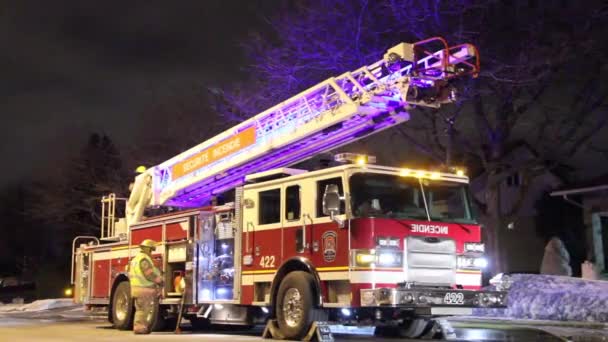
{"x":356,"y":243}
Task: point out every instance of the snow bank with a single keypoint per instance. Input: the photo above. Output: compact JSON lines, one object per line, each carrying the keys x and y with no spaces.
{"x":39,"y":305}
{"x":549,"y":297}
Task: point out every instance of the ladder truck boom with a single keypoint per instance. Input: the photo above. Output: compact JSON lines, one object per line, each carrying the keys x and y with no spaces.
{"x":335,"y":112}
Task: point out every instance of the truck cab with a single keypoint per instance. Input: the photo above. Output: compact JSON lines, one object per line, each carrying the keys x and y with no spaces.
{"x":379,"y":241}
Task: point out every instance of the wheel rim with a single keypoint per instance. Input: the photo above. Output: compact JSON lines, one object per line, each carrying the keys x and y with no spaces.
{"x":121,"y":306}
{"x":293,"y":308}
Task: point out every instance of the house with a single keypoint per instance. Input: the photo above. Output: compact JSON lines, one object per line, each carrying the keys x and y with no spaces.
{"x":591,"y":198}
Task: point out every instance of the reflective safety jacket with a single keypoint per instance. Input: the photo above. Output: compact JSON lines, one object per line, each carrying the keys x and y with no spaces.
{"x":143,"y":273}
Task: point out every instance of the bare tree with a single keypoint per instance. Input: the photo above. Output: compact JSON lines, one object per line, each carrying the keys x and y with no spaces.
{"x":541,"y":80}
{"x":71,"y":203}
{"x":175,"y":122}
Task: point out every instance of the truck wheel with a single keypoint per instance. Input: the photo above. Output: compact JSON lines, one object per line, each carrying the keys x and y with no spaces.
{"x":199,"y":323}
{"x":122,"y":307}
{"x":415,"y":328}
{"x":160,"y":322}
{"x":295,"y":305}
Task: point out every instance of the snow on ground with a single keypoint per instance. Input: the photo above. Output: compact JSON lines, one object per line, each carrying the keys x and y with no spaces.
{"x":39,"y":305}
{"x":534,"y":296}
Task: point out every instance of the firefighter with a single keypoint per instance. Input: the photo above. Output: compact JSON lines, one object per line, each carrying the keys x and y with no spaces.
{"x":145,"y":280}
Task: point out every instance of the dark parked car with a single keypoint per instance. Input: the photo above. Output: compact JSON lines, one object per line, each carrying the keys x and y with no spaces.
{"x":15,"y":287}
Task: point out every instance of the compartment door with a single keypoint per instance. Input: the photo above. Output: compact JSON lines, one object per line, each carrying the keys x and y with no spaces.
{"x":204,"y":262}
{"x":216,"y":255}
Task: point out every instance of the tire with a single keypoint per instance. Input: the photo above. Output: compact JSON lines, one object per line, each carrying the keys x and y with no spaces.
{"x":160,"y":322}
{"x":122,"y":307}
{"x":386,"y":331}
{"x":295,"y":307}
{"x":415,"y":328}
{"x":199,"y":323}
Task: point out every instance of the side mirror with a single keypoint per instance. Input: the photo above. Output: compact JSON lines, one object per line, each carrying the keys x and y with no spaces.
{"x":331,"y":203}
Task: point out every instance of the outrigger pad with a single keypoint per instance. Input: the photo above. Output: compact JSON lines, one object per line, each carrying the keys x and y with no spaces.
{"x":319,"y":332}
{"x":272,"y":330}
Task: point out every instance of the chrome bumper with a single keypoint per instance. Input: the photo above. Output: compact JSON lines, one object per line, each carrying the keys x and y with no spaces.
{"x":432,"y":297}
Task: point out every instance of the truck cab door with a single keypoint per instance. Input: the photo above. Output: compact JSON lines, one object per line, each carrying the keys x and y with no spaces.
{"x":297,"y":224}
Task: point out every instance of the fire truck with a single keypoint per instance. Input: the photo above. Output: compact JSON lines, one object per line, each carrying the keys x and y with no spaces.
{"x":352,"y":244}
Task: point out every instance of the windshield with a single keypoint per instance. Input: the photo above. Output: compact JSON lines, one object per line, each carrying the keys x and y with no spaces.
{"x":380,"y":195}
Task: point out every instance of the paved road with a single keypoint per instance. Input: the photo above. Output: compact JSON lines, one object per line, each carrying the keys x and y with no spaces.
{"x":41,"y":330}
{"x":78,"y":329}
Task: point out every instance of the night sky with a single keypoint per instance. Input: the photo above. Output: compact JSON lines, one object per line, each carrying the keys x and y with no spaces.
{"x":69,"y":68}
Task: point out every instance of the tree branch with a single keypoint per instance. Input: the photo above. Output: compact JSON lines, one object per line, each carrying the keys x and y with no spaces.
{"x":425,"y":150}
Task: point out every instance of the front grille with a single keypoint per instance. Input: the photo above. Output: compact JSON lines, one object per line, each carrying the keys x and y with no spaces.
{"x":430,"y":261}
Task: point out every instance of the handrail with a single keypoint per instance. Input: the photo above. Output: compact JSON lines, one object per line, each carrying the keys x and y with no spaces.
{"x":73,"y":251}
{"x":108,"y":215}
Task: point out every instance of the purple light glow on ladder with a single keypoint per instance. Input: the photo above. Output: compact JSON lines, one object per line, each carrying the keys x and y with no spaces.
{"x":279,"y":121}
{"x":353,"y":129}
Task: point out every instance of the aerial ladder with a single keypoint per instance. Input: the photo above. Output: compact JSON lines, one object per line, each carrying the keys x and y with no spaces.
{"x":335,"y":112}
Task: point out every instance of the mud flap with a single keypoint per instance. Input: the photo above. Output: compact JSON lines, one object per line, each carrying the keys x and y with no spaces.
{"x":319,"y":332}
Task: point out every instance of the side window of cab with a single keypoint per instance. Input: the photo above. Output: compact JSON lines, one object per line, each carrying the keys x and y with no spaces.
{"x":270,"y":206}
{"x":292,"y":203}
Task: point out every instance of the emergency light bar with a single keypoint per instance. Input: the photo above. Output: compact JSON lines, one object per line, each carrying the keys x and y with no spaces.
{"x":355,"y":158}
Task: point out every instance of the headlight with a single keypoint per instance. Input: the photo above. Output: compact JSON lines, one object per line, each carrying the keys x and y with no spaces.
{"x":386,"y":258}
{"x":389,"y":259}
{"x":474,"y":247}
{"x":480,"y":262}
{"x":471,"y":262}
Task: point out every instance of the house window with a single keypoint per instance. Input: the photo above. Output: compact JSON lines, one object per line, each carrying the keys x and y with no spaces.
{"x":292,"y":203}
{"x":270,"y":206}
{"x":513,"y":180}
{"x":321,"y":190}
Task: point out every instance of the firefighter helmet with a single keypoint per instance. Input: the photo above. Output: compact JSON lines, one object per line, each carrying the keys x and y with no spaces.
{"x":148,"y":243}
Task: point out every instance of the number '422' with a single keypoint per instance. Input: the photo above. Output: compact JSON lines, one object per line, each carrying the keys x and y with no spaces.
{"x":267,"y":261}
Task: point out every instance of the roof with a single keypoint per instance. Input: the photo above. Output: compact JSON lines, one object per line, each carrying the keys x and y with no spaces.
{"x":403,"y":172}
{"x":593,"y":185}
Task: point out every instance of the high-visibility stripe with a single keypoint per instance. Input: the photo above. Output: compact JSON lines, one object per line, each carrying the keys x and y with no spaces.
{"x":260,"y":272}
{"x":379,"y":269}
{"x":469,"y":271}
{"x":137,"y":276}
{"x":341,"y":268}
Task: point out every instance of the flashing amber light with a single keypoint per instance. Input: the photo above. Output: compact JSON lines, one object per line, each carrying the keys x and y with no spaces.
{"x":68,"y":292}
{"x":420,"y":173}
{"x":365,"y":259}
{"x":361,"y":161}
{"x":460,"y":173}
{"x":435,"y":175}
{"x":140,"y":169}
{"x":405,"y":172}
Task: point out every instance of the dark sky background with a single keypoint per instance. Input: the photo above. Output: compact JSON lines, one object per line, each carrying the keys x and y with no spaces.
{"x":69,"y":68}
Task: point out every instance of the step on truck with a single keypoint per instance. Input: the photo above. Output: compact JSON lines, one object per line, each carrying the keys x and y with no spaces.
{"x":353,"y":244}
